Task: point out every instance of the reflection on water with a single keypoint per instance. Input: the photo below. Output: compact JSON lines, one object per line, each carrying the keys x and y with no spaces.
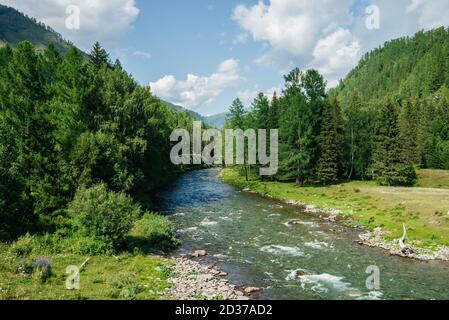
{"x":255,"y":241}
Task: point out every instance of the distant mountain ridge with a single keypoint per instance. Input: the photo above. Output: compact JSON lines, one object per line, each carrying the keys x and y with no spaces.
{"x":16,"y":27}
{"x":217,"y":120}
{"x":194,"y":114}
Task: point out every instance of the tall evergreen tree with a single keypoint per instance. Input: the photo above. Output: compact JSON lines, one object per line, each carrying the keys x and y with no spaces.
{"x":408,"y":120}
{"x":261,"y":112}
{"x":98,"y":56}
{"x":391,"y":168}
{"x":360,"y":126}
{"x":330,"y":144}
{"x":274,"y":113}
{"x":236,"y":117}
{"x":297,"y":131}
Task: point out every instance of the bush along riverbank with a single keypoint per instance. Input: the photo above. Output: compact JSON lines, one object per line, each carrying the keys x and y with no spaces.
{"x":382,"y":212}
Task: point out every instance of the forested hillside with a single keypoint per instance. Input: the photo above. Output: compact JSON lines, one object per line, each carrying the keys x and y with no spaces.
{"x":78,"y":131}
{"x":194,"y":114}
{"x":413,"y":74}
{"x":411,"y":67}
{"x":389,"y":116}
{"x":16,"y":27}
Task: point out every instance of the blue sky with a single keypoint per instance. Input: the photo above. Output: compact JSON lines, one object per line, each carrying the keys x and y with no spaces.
{"x":202,"y":54}
{"x":192,"y":37}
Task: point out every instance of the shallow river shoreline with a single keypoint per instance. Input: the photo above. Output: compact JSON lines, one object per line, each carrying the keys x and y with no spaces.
{"x":374,"y":238}
{"x":232,"y":240}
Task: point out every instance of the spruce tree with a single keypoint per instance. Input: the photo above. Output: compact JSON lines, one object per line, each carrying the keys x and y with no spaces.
{"x":391,"y":167}
{"x":330,"y":144}
{"x":98,"y":56}
{"x":296,"y":131}
{"x":274,"y":113}
{"x":409,"y":122}
{"x":236,"y":117}
{"x":261,"y":111}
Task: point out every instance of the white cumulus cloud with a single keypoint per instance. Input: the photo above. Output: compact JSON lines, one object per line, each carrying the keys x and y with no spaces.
{"x":100,"y":20}
{"x":293,"y":25}
{"x":247,"y":96}
{"x":331,"y":35}
{"x":431,"y":13}
{"x":196,"y":91}
{"x":335,"y":54}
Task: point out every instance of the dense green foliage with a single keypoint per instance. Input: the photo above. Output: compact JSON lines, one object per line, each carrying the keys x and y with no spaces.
{"x":413,"y":74}
{"x":152,"y":232}
{"x":388,"y":116}
{"x":107,"y":216}
{"x":67,"y":124}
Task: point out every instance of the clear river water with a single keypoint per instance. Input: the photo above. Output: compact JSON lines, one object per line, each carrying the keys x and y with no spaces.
{"x":252,"y":238}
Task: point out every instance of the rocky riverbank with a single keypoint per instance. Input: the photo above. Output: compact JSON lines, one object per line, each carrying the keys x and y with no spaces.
{"x":375,"y":238}
{"x":194,"y":281}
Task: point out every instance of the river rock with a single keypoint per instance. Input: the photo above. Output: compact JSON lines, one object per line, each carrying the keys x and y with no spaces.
{"x":205,"y":284}
{"x":251,"y":290}
{"x":294,"y":222}
{"x":199,"y":253}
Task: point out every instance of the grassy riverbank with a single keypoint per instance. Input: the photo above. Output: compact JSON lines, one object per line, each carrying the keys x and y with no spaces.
{"x":126,"y":276}
{"x":34,"y":267}
{"x":423,"y":209}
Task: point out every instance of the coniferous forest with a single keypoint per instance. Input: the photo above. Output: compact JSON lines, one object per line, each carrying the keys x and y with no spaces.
{"x":387,"y":118}
{"x":71,"y":128}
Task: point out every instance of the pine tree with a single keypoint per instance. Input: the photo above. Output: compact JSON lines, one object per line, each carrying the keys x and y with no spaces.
{"x":391,"y":168}
{"x":236,"y":117}
{"x":49,"y":63}
{"x":409,"y":122}
{"x":71,"y":79}
{"x":98,"y":56}
{"x":296,"y":131}
{"x":261,"y":111}
{"x":330,"y":144}
{"x":274,"y":113}
{"x":24,"y":77}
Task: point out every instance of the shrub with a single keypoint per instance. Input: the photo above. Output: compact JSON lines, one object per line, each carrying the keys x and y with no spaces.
{"x":127,"y":287}
{"x":85,"y":245}
{"x":23,"y":246}
{"x":153,"y":232}
{"x":103,"y":215}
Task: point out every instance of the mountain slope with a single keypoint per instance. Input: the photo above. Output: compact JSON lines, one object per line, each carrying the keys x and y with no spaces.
{"x":217,"y":120}
{"x":194,"y":114}
{"x":16,"y":27}
{"x":412,"y":67}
